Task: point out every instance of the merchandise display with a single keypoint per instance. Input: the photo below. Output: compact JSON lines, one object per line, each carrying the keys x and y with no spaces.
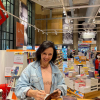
{"x":19,"y":62}
{"x":69,"y":58}
{"x":83,"y":83}
{"x":59,"y":60}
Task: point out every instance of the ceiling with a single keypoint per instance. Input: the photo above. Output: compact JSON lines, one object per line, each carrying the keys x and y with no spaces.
{"x":82,"y":10}
{"x":58,"y":3}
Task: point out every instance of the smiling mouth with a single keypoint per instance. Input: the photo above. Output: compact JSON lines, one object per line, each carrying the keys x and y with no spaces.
{"x":46,"y":60}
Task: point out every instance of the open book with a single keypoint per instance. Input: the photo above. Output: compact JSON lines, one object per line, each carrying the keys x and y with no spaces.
{"x":51,"y":96}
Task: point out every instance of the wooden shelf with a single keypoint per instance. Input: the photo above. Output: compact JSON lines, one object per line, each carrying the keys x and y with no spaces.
{"x":89,"y":95}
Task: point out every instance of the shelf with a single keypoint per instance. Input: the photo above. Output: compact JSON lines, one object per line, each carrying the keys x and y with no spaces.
{"x":11,"y":87}
{"x":31,"y":57}
{"x":74,"y":94}
{"x":15,"y":76}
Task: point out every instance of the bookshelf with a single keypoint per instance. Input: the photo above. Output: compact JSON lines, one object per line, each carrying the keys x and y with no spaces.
{"x":20,"y":61}
{"x":31,"y":57}
{"x":59,"y":60}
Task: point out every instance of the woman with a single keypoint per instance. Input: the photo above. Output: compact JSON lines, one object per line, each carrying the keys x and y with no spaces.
{"x":97,"y":61}
{"x":42,"y":74}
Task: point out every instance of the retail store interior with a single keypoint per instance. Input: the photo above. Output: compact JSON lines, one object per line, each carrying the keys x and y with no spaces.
{"x":73,"y":27}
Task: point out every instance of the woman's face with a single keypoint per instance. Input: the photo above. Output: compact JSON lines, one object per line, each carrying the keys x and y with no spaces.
{"x":47,"y":55}
{"x":98,"y":56}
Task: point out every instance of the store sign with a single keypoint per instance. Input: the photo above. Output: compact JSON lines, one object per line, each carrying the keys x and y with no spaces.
{"x":87,"y":41}
{"x":18,"y":59}
{"x":3,"y":14}
{"x":79,"y":60}
{"x":19,"y":34}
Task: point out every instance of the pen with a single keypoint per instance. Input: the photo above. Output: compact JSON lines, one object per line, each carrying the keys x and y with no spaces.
{"x":35,"y":88}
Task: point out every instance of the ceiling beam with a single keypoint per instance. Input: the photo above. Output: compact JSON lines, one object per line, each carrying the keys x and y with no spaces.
{"x":77,"y":7}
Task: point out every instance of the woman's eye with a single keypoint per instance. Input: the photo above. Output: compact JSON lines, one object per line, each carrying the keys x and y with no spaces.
{"x":44,"y":53}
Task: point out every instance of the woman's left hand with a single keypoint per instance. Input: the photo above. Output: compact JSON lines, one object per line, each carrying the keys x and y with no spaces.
{"x":57,"y":95}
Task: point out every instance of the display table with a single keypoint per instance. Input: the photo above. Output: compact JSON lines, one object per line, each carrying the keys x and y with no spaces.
{"x":89,"y":95}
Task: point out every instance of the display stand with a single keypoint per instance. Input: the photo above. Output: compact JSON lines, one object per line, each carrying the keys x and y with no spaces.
{"x":89,"y":95}
{"x":20,"y":62}
{"x":59,"y":60}
{"x":79,"y":67}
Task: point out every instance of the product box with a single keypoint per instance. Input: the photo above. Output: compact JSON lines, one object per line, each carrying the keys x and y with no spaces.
{"x":85,"y":89}
{"x":79,"y":83}
{"x":66,"y":81}
{"x":71,"y":84}
{"x":91,"y":82}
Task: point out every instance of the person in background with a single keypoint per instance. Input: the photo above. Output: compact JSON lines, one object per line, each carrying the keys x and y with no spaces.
{"x":97,"y":61}
{"x":41,"y":77}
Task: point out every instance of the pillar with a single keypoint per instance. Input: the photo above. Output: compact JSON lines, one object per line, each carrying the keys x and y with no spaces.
{"x":98,"y":39}
{"x":33,"y":23}
{"x":75,"y":36}
{"x":16,"y":11}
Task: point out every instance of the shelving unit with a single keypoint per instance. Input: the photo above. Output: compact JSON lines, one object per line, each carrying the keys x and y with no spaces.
{"x":27,"y":57}
{"x":31,"y":57}
{"x":59,"y":60}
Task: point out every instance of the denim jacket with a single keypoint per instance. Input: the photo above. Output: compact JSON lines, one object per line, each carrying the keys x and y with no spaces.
{"x":31,"y":75}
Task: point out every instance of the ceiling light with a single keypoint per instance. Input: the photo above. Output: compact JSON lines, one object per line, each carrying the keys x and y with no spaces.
{"x":64,"y":11}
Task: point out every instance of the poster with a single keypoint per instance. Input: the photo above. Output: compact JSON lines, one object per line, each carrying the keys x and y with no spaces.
{"x":23,"y":14}
{"x":79,"y":60}
{"x":19,"y":35}
{"x":7,"y":71}
{"x":18,"y":59}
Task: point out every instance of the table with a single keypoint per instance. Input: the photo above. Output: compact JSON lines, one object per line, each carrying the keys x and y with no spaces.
{"x":89,"y":95}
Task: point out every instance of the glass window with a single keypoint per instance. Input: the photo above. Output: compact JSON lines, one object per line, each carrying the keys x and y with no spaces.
{"x":0,"y":35}
{"x":12,"y":1}
{"x":7,"y":43}
{"x":11,"y":44}
{"x":6,"y":29}
{"x":11,"y":36}
{"x":7,"y":36}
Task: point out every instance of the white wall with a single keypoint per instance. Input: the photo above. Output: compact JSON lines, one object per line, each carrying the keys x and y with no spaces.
{"x":6,"y":60}
{"x":2,"y":62}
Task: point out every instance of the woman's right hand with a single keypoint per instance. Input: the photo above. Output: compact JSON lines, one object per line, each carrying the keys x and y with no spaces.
{"x":36,"y":94}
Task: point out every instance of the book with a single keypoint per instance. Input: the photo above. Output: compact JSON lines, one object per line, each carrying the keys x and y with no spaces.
{"x":51,"y":96}
{"x":16,"y":70}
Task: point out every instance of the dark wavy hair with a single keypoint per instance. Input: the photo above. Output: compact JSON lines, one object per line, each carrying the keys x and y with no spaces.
{"x":44,"y":46}
{"x":97,"y":54}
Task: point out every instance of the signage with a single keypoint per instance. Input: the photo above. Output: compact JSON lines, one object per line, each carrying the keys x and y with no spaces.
{"x":3,"y":15}
{"x":19,"y":34}
{"x":18,"y":59}
{"x":7,"y":71}
{"x":79,"y":60}
{"x":87,"y":41}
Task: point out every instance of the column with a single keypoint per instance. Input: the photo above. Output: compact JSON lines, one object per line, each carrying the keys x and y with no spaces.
{"x":75,"y":36}
{"x":33,"y":23}
{"x":16,"y":10}
{"x":98,"y":39}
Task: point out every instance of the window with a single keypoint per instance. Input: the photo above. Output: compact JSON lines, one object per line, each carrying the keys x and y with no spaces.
{"x":29,"y":33}
{"x":7,"y":28}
